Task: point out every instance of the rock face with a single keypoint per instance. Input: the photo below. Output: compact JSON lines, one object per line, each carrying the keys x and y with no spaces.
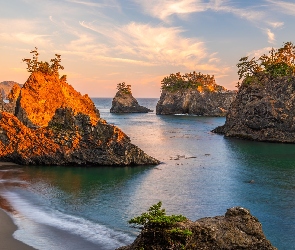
{"x":11,"y":96}
{"x":236,"y":230}
{"x":204,"y":103}
{"x":6,"y":86}
{"x":263,"y":111}
{"x":55,"y":125}
{"x":124,"y":102}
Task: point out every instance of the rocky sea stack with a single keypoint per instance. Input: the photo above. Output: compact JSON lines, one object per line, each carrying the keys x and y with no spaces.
{"x":55,"y":125}
{"x":124,"y":102}
{"x":237,"y":229}
{"x":195,"y":94}
{"x":264,"y":109}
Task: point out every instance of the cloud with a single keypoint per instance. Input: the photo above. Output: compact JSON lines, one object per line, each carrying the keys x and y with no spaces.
{"x":270,"y":35}
{"x":153,"y":45}
{"x":285,"y":7}
{"x":276,"y":24}
{"x":166,"y":8}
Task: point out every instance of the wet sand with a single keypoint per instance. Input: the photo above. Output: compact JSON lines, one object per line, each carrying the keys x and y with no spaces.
{"x":7,"y":227}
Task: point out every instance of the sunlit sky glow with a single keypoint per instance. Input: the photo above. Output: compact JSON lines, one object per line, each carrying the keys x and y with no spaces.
{"x":104,"y":42}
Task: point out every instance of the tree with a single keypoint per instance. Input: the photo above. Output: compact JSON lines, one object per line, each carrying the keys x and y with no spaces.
{"x":123,"y":87}
{"x":279,"y":62}
{"x":161,"y":229}
{"x":33,"y":65}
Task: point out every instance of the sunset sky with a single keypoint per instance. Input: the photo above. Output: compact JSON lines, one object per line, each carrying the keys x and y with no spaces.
{"x":104,"y":42}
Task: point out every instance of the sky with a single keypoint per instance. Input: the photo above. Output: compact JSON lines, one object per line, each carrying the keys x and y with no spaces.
{"x":139,"y":42}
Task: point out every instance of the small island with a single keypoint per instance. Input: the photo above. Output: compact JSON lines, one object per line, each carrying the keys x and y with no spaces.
{"x":263,"y":109}
{"x":124,"y":102}
{"x":195,"y":94}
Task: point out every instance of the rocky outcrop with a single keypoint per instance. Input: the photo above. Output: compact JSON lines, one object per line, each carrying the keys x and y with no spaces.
{"x":189,"y":101}
{"x":6,"y":86}
{"x":55,"y":125}
{"x":42,"y":94}
{"x":124,"y":102}
{"x":11,"y":96}
{"x":236,"y":230}
{"x":263,"y":111}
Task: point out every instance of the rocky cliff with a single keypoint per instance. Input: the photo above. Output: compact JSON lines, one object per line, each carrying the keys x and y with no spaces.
{"x":263,"y":111}
{"x":55,"y":125}
{"x":124,"y":102}
{"x":193,"y":101}
{"x":236,"y":230}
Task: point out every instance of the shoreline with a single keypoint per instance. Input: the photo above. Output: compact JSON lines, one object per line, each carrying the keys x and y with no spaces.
{"x":7,"y":241}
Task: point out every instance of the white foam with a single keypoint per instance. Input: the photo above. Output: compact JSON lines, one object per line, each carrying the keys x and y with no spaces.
{"x":29,"y":216}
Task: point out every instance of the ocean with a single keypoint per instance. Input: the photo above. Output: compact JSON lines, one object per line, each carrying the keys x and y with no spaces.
{"x":202,"y":174}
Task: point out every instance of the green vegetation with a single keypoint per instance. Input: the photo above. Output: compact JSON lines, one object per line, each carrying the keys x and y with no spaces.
{"x":193,"y":80}
{"x":33,"y":65}
{"x":279,"y":63}
{"x":123,"y":87}
{"x":161,"y":229}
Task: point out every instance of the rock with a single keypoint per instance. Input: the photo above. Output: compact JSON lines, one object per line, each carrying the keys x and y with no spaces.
{"x":6,"y":86}
{"x":42,"y":94}
{"x":263,"y":111}
{"x":193,"y":101}
{"x":55,"y":125}
{"x":237,"y":229}
{"x":11,"y":96}
{"x":124,"y":102}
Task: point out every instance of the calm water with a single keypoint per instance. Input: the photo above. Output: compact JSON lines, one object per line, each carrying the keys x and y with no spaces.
{"x":202,"y":174}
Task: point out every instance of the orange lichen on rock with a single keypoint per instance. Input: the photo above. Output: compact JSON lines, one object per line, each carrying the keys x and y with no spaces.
{"x":42,"y":94}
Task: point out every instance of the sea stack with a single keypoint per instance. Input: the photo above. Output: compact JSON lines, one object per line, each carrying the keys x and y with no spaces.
{"x":53,"y":124}
{"x":124,"y":102}
{"x":194,"y":94}
{"x":264,"y":108}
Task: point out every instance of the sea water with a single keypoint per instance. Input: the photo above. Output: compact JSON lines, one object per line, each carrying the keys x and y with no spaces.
{"x":202,"y":174}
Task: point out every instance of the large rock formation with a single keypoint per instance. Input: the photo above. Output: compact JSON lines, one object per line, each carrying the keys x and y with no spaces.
{"x":193,"y":101}
{"x":263,"y":111}
{"x":55,"y":125}
{"x":124,"y":102}
{"x":236,"y":230}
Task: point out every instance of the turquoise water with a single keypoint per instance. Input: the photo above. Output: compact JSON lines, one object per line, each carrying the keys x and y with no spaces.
{"x":202,"y":174}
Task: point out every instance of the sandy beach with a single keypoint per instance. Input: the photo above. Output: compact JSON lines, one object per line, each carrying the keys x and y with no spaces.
{"x":7,"y":228}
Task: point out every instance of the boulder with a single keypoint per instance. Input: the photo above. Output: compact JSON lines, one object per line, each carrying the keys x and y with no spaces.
{"x":236,"y":230}
{"x":124,"y":102}
{"x":195,"y":102}
{"x":263,"y":111}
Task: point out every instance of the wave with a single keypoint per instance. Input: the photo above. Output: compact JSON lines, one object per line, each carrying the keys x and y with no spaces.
{"x":45,"y":228}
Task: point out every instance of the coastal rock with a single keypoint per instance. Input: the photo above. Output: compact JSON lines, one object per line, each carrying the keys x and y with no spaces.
{"x":189,"y":101}
{"x":263,"y":111}
{"x":55,"y":125}
{"x":6,"y":86}
{"x":237,"y":229}
{"x":124,"y":102}
{"x":11,"y":96}
{"x":43,"y":94}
